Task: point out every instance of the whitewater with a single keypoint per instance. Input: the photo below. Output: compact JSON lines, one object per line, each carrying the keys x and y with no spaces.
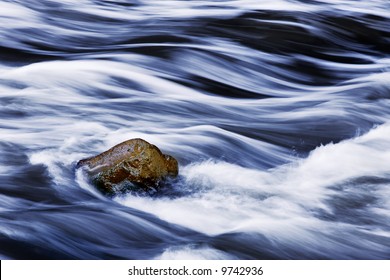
{"x":277,"y":111}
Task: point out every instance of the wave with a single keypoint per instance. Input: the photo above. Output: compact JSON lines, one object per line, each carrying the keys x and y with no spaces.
{"x":276,"y":110}
{"x":339,"y":188}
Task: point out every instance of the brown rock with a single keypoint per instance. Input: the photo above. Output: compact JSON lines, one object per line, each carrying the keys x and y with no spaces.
{"x":134,"y":162}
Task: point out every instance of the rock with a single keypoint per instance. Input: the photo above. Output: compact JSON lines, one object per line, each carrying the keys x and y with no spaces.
{"x":134,"y":164}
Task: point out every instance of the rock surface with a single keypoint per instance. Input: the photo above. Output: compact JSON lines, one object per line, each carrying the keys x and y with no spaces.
{"x":135,"y":163}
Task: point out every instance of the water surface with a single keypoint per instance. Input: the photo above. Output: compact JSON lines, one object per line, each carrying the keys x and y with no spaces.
{"x":277,"y":111}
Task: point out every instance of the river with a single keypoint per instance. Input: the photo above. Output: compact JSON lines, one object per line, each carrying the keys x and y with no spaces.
{"x":277,"y":111}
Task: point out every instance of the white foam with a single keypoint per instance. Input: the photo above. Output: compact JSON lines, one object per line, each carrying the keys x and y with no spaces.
{"x":193,"y":253}
{"x":229,"y":198}
{"x":82,"y":181}
{"x":278,"y":203}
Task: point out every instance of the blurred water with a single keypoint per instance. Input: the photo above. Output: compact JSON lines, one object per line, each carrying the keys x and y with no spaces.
{"x":278,"y":112}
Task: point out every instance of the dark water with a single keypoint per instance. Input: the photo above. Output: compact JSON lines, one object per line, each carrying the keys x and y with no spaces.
{"x":278,"y":112}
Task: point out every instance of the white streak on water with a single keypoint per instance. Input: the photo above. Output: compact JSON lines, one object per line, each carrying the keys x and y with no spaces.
{"x":250,"y":121}
{"x":193,"y":253}
{"x":279,"y":202}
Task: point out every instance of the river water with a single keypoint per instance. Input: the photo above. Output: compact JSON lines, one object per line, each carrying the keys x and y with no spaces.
{"x":277,"y":111}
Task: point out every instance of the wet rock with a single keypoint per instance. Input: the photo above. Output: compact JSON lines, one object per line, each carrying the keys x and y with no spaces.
{"x":134,"y":164}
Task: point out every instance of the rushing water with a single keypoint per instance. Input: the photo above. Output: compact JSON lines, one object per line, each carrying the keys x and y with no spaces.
{"x":278,"y":112}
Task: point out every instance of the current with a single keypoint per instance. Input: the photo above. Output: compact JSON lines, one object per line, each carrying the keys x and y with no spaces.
{"x":277,"y":111}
